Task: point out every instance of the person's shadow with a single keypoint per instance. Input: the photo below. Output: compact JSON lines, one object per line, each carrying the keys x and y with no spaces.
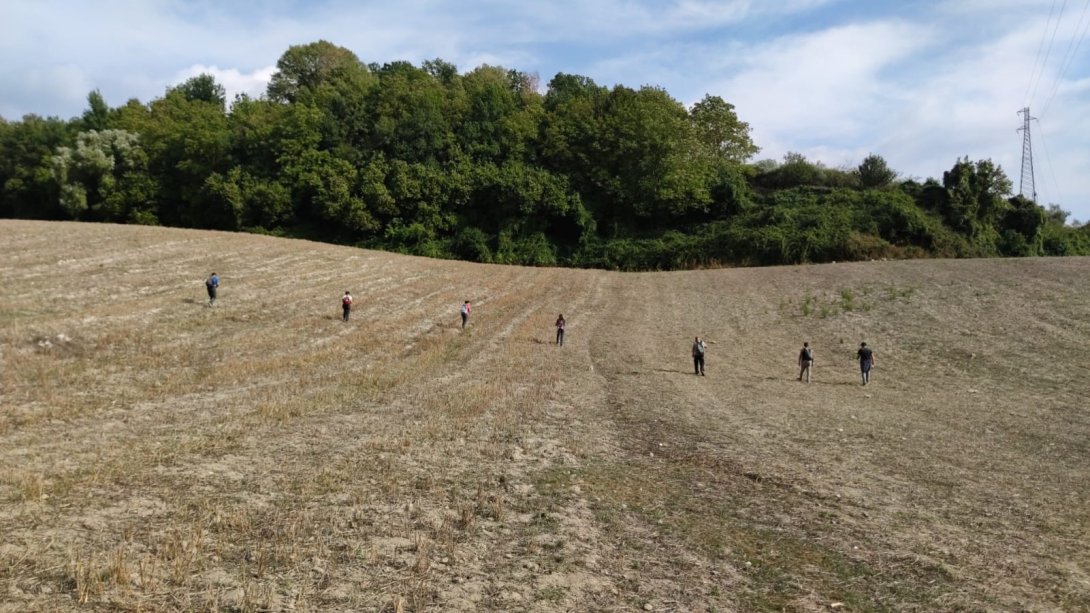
{"x":813,"y":382}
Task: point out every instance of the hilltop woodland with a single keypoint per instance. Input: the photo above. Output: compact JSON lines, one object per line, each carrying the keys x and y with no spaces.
{"x":482,"y":166}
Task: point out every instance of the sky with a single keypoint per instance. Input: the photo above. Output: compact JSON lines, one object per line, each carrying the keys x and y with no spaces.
{"x":919,"y":82}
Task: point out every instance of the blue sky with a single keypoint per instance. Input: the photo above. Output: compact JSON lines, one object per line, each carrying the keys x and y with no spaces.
{"x":920,"y":82}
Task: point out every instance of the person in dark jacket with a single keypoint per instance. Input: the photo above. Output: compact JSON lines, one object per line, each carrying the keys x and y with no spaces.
{"x":866,"y":361}
{"x":698,"y":356}
{"x":806,"y":361}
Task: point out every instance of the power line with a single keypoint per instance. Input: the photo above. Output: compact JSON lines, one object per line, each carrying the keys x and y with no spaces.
{"x":1069,"y":57}
{"x":1048,"y":51}
{"x":1037,"y":60}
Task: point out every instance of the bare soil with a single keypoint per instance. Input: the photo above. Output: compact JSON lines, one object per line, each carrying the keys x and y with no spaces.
{"x":262,"y":455}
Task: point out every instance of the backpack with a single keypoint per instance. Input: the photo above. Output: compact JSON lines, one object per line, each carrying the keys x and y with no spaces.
{"x":346,"y":301}
{"x":699,"y":349}
{"x":807,"y":354}
{"x":208,"y":283}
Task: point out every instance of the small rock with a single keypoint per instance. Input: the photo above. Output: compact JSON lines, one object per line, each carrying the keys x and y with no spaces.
{"x":648,"y":607}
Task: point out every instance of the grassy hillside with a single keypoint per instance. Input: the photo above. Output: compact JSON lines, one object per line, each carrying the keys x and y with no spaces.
{"x":157,"y":454}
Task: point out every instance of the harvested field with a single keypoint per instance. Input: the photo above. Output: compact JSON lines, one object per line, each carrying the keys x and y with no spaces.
{"x":263,"y":455}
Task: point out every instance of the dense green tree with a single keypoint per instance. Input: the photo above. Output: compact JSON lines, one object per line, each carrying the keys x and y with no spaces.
{"x":409,"y":115}
{"x":103,"y":178}
{"x":304,"y":69}
{"x":1022,"y":228}
{"x":717,"y":126}
{"x":874,"y":172}
{"x":97,"y":116}
{"x":203,"y":88}
{"x":976,"y":199}
{"x":186,"y":142}
{"x":27,"y":186}
{"x":500,"y":119}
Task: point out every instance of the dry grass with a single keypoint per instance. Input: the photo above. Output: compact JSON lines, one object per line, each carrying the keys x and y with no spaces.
{"x":156,"y":454}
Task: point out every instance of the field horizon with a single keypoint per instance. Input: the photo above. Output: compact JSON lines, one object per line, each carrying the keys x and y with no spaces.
{"x":262,"y":455}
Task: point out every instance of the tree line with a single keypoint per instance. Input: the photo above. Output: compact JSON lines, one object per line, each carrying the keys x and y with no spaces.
{"x":484,"y":166}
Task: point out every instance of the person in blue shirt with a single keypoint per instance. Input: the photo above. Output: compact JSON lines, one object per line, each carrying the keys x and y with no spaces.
{"x":212,"y":284}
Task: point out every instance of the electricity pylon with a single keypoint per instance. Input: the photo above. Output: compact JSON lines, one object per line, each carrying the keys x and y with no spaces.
{"x":1027,"y":158}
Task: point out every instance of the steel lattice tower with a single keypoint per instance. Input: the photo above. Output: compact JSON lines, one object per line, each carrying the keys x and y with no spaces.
{"x":1027,"y":158}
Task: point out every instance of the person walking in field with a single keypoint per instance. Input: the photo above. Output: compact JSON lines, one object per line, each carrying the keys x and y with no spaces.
{"x":346,"y":304}
{"x":698,"y":356}
{"x":212,"y":284}
{"x":806,"y":361}
{"x":866,"y":361}
{"x":466,"y":309}
{"x":560,"y":323}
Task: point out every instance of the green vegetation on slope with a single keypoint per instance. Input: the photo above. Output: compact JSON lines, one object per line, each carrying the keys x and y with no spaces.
{"x":482,"y":166}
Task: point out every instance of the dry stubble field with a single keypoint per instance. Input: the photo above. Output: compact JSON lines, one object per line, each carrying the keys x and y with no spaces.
{"x":156,"y":454}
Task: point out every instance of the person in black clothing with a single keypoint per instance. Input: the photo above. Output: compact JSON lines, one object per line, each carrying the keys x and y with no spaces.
{"x":806,"y":361}
{"x":560,"y":323}
{"x":698,"y":356}
{"x":866,"y":361}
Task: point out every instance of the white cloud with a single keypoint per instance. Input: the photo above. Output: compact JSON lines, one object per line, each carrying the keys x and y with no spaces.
{"x":820,"y":85}
{"x":235,"y":82}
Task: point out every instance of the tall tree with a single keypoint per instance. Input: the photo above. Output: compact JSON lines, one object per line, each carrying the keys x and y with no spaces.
{"x":976,"y":201}
{"x":304,"y":69}
{"x":718,"y":127}
{"x":97,"y":115}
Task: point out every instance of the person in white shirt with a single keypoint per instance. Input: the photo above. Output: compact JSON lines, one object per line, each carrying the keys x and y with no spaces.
{"x":346,"y":304}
